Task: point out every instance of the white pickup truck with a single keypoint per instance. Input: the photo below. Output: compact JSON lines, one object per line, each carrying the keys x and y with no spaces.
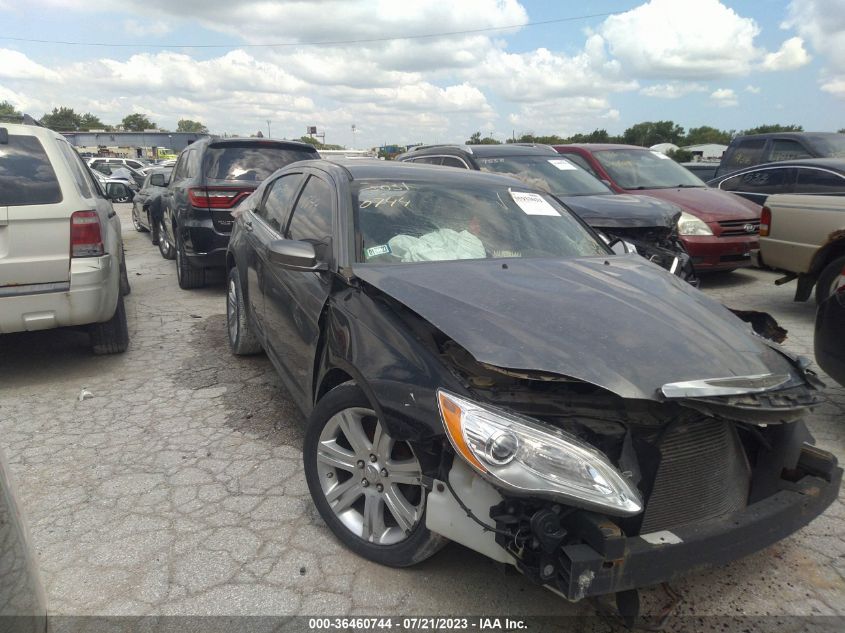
{"x":804,"y":236}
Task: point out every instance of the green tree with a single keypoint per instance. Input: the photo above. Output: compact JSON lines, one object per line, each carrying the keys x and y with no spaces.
{"x":596,"y":136}
{"x":706,"y":134}
{"x":90,"y":121}
{"x":842,"y":131}
{"x":476,"y":139}
{"x":137,"y":123}
{"x":186,"y":125}
{"x":62,"y":119}
{"x":680,"y":155}
{"x":650,"y":133}
{"x":7,"y":109}
{"x":317,"y":144}
{"x":773,"y":127}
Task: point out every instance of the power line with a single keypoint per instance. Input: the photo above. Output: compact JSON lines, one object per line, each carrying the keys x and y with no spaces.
{"x":315,"y":43}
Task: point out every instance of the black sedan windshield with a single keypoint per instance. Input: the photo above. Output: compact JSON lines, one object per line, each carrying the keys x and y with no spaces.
{"x":401,"y":221}
{"x":645,"y":169}
{"x":555,"y":175}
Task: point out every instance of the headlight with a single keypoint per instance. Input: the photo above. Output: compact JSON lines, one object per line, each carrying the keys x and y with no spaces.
{"x":691,"y":225}
{"x":529,"y":457}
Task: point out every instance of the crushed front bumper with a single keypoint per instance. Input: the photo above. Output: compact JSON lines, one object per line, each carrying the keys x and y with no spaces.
{"x":639,"y":561}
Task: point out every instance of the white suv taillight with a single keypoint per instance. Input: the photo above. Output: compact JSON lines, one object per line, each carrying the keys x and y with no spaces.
{"x":86,"y":238}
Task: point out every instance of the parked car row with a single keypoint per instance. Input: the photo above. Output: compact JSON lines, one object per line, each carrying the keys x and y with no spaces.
{"x":478,"y":365}
{"x":476,"y":362}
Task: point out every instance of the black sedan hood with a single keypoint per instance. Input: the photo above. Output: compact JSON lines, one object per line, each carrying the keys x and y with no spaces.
{"x":617,"y":322}
{"x":623,"y":211}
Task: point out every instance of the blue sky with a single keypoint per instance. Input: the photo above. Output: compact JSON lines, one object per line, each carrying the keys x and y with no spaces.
{"x":731,"y":64}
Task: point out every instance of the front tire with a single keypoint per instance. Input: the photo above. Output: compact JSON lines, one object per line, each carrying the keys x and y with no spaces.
{"x":825,"y":280}
{"x":242,"y":338}
{"x":367,"y":487}
{"x":136,"y":222}
{"x":111,"y":337}
{"x":188,"y":276}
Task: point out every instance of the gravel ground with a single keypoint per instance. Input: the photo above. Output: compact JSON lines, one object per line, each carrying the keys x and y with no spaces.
{"x":177,"y":488}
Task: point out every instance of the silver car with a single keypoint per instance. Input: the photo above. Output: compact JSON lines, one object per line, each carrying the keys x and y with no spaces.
{"x":61,"y":251}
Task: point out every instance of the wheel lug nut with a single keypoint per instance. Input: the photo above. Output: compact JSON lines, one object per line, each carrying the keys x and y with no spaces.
{"x":373,"y":458}
{"x":380,"y":488}
{"x":384,"y":472}
{"x":329,"y":475}
{"x":365,"y":483}
{"x":360,"y":463}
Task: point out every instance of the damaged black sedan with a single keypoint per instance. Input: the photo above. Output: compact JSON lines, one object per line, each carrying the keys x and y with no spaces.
{"x":478,"y":367}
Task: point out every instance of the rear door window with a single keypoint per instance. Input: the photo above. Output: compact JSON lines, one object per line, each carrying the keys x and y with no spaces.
{"x":762,"y":181}
{"x":788,"y":150}
{"x":251,"y":162}
{"x":451,"y":161}
{"x":429,"y":160}
{"x":819,"y":181}
{"x":26,"y":175}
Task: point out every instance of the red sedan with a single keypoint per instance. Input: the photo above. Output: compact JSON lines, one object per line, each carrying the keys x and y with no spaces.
{"x":718,"y":229}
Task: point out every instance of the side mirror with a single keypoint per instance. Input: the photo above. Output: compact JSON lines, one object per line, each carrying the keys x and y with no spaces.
{"x":294,"y":255}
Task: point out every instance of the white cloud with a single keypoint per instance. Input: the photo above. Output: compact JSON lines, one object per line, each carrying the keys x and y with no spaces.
{"x":822,"y":24}
{"x":693,"y":40}
{"x":140,"y":28}
{"x":724,"y":97}
{"x":541,"y":74}
{"x":791,"y":55}
{"x":563,"y":116}
{"x":16,"y":65}
{"x":673,"y":90}
{"x":755,"y":90}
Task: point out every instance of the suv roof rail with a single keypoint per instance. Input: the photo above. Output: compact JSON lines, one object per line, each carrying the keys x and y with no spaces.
{"x":540,"y":145}
{"x":465,"y":148}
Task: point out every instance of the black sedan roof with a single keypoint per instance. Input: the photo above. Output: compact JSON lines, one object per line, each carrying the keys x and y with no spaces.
{"x":833,"y":164}
{"x":392,"y":170}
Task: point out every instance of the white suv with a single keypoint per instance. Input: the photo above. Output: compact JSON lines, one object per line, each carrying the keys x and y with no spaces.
{"x":116,"y":162}
{"x":61,"y":250}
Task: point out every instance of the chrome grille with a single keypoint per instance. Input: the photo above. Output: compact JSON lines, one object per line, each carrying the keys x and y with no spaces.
{"x":703,"y":474}
{"x":740,"y":227}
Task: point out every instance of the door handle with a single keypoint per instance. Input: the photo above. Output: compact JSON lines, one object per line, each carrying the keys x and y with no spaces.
{"x":248,"y":225}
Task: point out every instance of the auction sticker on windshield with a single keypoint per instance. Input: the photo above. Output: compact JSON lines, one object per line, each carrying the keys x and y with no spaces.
{"x":532,"y":203}
{"x":562,"y":164}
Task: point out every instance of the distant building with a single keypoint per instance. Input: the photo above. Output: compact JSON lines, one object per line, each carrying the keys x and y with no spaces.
{"x":706,"y":151}
{"x":664,"y":148}
{"x":150,"y":145}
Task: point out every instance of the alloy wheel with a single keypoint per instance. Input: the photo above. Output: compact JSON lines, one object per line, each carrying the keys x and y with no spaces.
{"x":371,"y":482}
{"x":232,"y":312}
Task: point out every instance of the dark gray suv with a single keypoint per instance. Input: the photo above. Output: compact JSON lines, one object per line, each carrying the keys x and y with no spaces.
{"x":210,"y":178}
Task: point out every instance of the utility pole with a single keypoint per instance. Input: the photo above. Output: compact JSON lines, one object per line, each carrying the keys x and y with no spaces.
{"x":353,"y":135}
{"x":268,"y":128}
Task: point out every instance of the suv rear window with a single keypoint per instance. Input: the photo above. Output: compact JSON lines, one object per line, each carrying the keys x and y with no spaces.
{"x":249,"y":162}
{"x":26,"y":175}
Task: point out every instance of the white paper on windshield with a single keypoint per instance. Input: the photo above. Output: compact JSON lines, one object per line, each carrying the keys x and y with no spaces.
{"x":661,"y":155}
{"x":532,"y":203}
{"x":562,"y":164}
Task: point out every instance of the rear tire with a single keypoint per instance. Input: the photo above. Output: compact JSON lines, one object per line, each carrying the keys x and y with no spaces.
{"x":242,"y":338}
{"x":125,"y":288}
{"x":188,"y":276}
{"x":164,"y":246}
{"x":825,"y":280}
{"x":111,"y":337}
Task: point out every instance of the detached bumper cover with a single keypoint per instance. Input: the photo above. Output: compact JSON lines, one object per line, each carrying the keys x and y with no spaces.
{"x":663,"y":556}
